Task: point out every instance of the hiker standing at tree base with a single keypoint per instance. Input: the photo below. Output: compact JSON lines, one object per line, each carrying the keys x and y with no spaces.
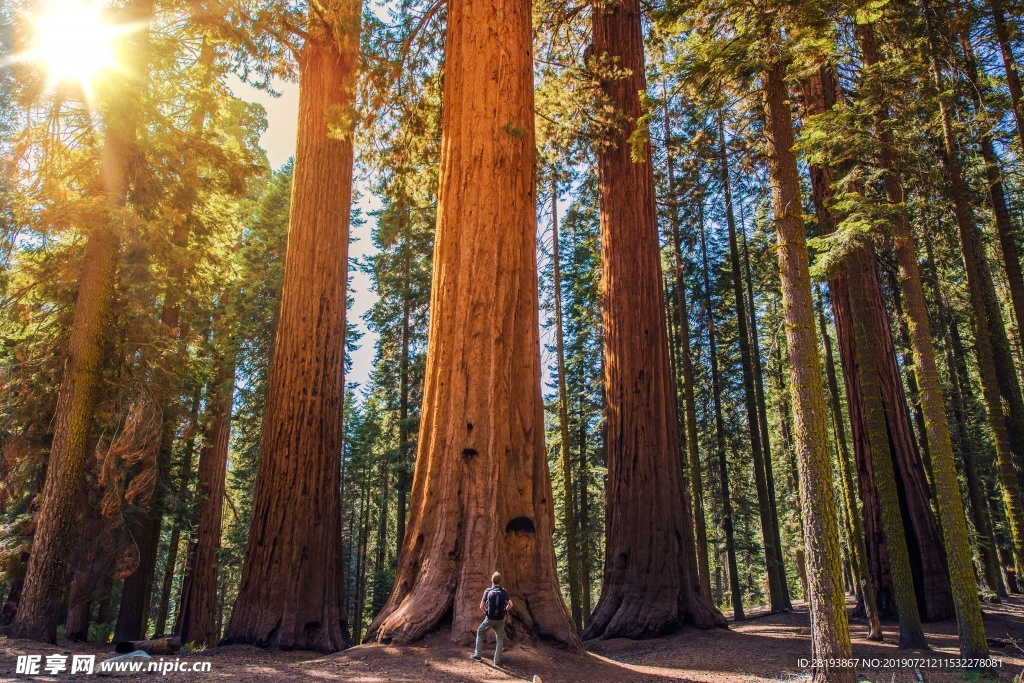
{"x":495,"y":603}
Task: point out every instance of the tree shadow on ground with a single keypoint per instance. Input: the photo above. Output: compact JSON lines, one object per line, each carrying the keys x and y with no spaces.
{"x":762,"y":649}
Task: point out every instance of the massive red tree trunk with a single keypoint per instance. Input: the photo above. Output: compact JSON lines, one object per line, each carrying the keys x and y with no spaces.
{"x":481,"y":495}
{"x":924,"y":540}
{"x":651,"y":584}
{"x":291,"y":594}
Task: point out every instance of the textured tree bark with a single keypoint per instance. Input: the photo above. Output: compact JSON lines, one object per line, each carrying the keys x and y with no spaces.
{"x":686,"y":361}
{"x":858,"y":550}
{"x":572,"y":556}
{"x":402,"y":483}
{"x":197,"y":608}
{"x":830,"y":632}
{"x":584,"y":521}
{"x":57,"y":519}
{"x":924,"y":540}
{"x":651,"y":582}
{"x":969,"y":456}
{"x":911,"y":633}
{"x":1009,"y":385}
{"x":944,"y":476}
{"x":76,"y":624}
{"x":772,"y":553}
{"x":720,"y":452}
{"x":481,"y":494}
{"x":985,"y":319}
{"x":291,"y":592}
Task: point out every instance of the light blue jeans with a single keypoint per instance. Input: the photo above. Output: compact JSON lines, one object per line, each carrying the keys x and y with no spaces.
{"x":499,"y":632}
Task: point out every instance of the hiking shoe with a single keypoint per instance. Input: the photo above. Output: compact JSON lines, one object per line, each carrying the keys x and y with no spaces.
{"x":476,"y":658}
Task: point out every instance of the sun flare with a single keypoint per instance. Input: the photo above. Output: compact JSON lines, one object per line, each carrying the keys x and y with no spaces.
{"x":73,"y":42}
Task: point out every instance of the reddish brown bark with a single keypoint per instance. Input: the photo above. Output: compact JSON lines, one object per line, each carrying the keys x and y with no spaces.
{"x":291,"y":592}
{"x":651,"y":583}
{"x":924,"y":540}
{"x":481,"y":496}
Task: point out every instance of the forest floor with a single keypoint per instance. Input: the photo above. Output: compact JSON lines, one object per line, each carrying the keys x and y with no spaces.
{"x":762,"y":648}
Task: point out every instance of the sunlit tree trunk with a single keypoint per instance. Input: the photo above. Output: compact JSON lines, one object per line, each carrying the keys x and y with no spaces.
{"x":291,"y":591}
{"x":944,"y":475}
{"x":481,"y":495}
{"x":830,"y":633}
{"x":923,"y":537}
{"x":57,"y":519}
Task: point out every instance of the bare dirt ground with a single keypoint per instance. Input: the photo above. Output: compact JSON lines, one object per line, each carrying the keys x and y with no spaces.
{"x":763,"y":648}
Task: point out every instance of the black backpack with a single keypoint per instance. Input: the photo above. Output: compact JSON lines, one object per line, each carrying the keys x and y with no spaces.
{"x":497,"y":601}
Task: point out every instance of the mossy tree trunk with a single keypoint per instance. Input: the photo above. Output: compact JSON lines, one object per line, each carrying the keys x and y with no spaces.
{"x":985,"y":315}
{"x":944,"y":476}
{"x":911,"y":633}
{"x":923,"y":538}
{"x":858,"y":550}
{"x":830,"y":631}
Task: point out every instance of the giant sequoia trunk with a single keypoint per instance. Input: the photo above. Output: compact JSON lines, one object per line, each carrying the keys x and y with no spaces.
{"x":57,"y":518}
{"x":830,"y":635}
{"x":197,"y":610}
{"x":481,"y":495}
{"x":651,"y":583}
{"x":944,"y":476}
{"x":291,"y":592}
{"x":911,"y":634}
{"x":924,"y":540}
